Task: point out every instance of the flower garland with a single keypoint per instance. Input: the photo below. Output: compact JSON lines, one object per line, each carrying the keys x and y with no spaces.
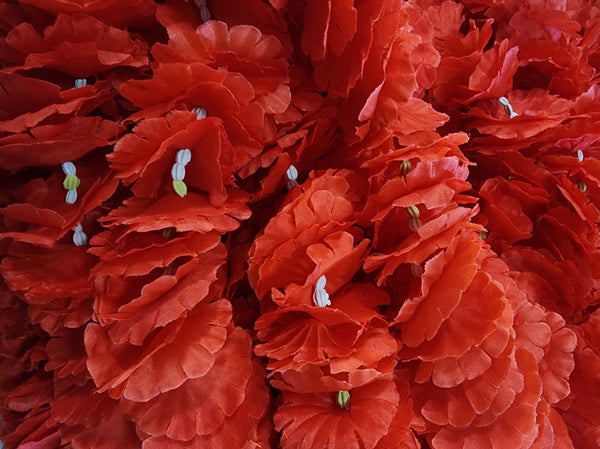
{"x":299,"y":224}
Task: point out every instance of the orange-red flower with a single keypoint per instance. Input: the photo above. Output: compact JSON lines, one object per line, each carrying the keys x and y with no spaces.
{"x":147,"y":155}
{"x":309,"y":420}
{"x":581,"y":416}
{"x":347,"y":337}
{"x":158,"y":290}
{"x":310,"y":236}
{"x":398,"y":201}
{"x":219,"y":391}
{"x":184,"y":349}
{"x":42,"y":216}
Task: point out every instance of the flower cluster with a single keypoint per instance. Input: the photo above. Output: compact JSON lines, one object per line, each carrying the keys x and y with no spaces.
{"x":299,"y":224}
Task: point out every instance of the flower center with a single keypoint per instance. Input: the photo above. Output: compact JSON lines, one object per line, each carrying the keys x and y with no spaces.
{"x":200,"y":112}
{"x":71,"y":182}
{"x":79,"y":237}
{"x":182,"y":158}
{"x":507,"y":107}
{"x":320,"y":296}
{"x":292,"y":176}
{"x":343,"y":399}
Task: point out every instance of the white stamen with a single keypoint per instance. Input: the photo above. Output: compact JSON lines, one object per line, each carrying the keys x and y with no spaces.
{"x":69,"y":168}
{"x":71,"y":196}
{"x":292,"y":175}
{"x":200,"y":3}
{"x":507,"y":107}
{"x":183,"y":157}
{"x":321,"y":283}
{"x":79,"y":237}
{"x":178,"y":172}
{"x":80,"y":82}
{"x":205,"y":14}
{"x":580,"y":155}
{"x":200,"y":112}
{"x":320,"y":296}
{"x":71,"y":182}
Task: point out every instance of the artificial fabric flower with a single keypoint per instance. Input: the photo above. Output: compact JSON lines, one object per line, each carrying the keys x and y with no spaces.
{"x":290,"y":224}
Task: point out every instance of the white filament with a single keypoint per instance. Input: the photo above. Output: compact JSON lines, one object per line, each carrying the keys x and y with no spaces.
{"x":580,"y":155}
{"x":507,"y":107}
{"x":79,"y":237}
{"x":320,"y":296}
{"x":200,"y":112}
{"x":182,"y":158}
{"x":71,"y":196}
{"x":69,"y":168}
{"x":80,"y":82}
{"x":292,"y":175}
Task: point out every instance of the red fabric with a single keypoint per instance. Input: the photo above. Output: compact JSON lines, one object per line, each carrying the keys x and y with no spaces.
{"x":299,"y":224}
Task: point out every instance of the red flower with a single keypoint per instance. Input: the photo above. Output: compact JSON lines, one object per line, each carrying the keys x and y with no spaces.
{"x":117,"y":14}
{"x":320,"y":172}
{"x":328,"y":28}
{"x":55,"y":283}
{"x":247,"y":428}
{"x":437,"y":327}
{"x":88,"y":419}
{"x":185,"y":349}
{"x":44,"y":214}
{"x":538,"y":111}
{"x":466,"y":73}
{"x":147,"y":155}
{"x":192,"y":213}
{"x":132,"y":306}
{"x":309,"y":420}
{"x":507,"y":209}
{"x":511,"y":422}
{"x":78,"y":45}
{"x":219,"y":392}
{"x":580,"y":416}
{"x":430,"y":184}
{"x":310,"y":236}
{"x":48,"y":145}
{"x":347,"y":337}
{"x":435,"y":233}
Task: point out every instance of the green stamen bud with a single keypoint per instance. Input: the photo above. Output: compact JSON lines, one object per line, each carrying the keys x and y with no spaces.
{"x":71,"y":182}
{"x":483,"y":235}
{"x":413,"y":211}
{"x":581,"y":185}
{"x":180,"y":188}
{"x":343,"y":399}
{"x":405,"y":168}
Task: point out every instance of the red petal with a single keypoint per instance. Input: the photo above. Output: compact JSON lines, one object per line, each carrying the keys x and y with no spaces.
{"x":220,"y":394}
{"x":315,"y":420}
{"x":183,"y":350}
